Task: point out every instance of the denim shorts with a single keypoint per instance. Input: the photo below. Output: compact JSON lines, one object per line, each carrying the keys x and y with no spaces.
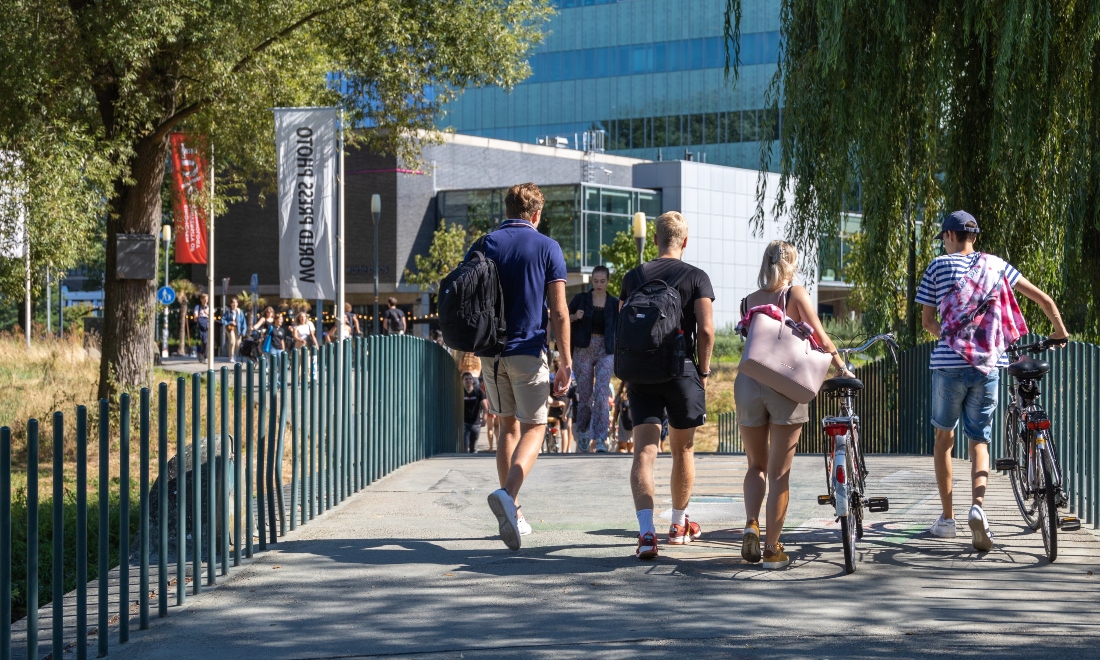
{"x":969,"y":394}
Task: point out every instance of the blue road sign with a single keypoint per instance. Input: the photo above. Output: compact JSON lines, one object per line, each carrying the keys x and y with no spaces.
{"x":255,"y":284}
{"x":166,"y":295}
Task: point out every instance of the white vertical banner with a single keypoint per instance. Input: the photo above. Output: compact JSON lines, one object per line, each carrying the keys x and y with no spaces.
{"x":305,"y":145}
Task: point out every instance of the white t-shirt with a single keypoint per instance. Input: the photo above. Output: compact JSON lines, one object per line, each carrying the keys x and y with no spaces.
{"x":305,"y":331}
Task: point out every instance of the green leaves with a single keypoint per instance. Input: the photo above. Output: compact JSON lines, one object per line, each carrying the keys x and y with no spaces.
{"x":622,"y":255}
{"x":446,"y":252}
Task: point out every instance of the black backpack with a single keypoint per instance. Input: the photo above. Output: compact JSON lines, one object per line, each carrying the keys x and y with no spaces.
{"x":471,"y":305}
{"x":649,"y":344}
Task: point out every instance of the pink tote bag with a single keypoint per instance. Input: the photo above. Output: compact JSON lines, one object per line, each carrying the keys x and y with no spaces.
{"x":782,"y":358}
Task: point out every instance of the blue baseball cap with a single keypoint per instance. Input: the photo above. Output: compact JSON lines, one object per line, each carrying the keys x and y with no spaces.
{"x":959,"y":221}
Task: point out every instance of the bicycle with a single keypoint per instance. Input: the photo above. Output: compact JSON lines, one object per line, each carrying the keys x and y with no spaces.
{"x":845,"y":470}
{"x":550,"y":441}
{"x":1031,"y":458}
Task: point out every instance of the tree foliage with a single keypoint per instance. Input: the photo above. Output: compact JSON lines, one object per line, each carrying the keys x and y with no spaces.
{"x":447,"y":250}
{"x":622,"y":254}
{"x":97,"y":87}
{"x":927,"y":107}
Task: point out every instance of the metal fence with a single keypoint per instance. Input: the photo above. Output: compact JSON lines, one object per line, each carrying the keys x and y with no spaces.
{"x":896,"y":405}
{"x":349,"y":412}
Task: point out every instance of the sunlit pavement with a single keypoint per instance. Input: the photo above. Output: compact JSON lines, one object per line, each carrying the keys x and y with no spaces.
{"x":412,"y":565}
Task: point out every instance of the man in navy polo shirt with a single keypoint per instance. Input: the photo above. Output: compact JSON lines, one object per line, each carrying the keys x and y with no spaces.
{"x":532,"y":270}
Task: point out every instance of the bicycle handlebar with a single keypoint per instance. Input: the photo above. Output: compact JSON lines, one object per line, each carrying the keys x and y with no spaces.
{"x":1016,"y":350}
{"x":888,"y":338}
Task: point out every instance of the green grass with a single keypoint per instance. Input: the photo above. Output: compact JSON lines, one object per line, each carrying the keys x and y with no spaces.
{"x":45,"y":536}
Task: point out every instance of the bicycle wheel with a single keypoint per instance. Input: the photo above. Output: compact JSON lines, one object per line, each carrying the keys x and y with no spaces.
{"x":858,"y":472}
{"x":851,"y":530}
{"x":1047,"y":503}
{"x":1017,"y":448}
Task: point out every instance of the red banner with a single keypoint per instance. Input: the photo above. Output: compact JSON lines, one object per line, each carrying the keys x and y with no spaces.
{"x":189,"y":182}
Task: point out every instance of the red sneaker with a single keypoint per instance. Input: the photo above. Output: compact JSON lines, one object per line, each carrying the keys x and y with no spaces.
{"x":686,"y":533}
{"x":647,"y":546}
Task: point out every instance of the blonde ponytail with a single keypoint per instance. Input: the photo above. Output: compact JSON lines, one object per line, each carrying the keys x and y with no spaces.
{"x":778,"y":266}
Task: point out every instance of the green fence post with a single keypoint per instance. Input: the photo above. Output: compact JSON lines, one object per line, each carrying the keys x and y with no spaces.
{"x":143,"y":509}
{"x":337,"y":419}
{"x":181,"y":490}
{"x":162,"y":499}
{"x":294,"y":428}
{"x":239,"y":492}
{"x":249,"y":458}
{"x":124,"y":518}
{"x":272,"y":439}
{"x":322,"y":429}
{"x":372,"y":408}
{"x":196,"y":484}
{"x":81,"y":537}
{"x":32,"y":538}
{"x":211,"y":481}
{"x":280,"y":446}
{"x":5,"y":543}
{"x":104,"y":524}
{"x":57,"y":581}
{"x":223,"y":487}
{"x":312,"y":396}
{"x":261,"y":441}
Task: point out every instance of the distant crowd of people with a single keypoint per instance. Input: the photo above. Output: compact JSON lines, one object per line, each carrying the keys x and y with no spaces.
{"x":276,"y":331}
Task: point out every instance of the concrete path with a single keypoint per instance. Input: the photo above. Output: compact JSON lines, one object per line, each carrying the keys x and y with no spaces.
{"x":412,"y":566}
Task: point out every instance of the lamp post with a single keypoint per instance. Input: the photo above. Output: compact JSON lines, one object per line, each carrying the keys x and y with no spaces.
{"x":166,"y":236}
{"x":639,"y":233}
{"x":376,"y":211}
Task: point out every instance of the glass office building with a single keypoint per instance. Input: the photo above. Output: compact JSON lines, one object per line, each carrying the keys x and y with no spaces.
{"x":582,"y":218}
{"x":650,"y":73}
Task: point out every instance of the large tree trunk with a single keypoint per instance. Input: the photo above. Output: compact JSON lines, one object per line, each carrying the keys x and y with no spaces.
{"x":128,"y":342}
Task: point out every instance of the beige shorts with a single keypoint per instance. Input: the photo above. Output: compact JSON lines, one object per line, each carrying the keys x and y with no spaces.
{"x":759,"y":405}
{"x":518,"y":386}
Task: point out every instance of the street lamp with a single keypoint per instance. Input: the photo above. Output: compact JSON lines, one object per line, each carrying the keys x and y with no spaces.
{"x":376,"y":211}
{"x":166,"y":236}
{"x":639,"y":233}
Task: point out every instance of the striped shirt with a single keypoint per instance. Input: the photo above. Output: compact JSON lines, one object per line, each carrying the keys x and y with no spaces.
{"x":938,"y":280}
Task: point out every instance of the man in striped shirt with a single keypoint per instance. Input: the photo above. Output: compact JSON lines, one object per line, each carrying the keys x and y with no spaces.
{"x":959,"y":389}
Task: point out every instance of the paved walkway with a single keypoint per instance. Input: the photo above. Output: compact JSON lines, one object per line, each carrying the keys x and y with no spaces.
{"x":412,"y":566}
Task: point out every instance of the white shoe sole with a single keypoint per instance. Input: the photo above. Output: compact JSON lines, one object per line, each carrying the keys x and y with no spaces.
{"x":774,"y":565}
{"x":524,"y":529}
{"x":509,"y":532}
{"x":942,"y":534}
{"x":982,"y":541}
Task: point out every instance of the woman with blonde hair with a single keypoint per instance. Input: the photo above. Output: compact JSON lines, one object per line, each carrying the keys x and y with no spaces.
{"x":770,"y":422}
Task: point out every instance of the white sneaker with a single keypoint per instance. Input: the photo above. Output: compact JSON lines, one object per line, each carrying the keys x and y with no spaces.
{"x":979,"y":527}
{"x":945,"y":529}
{"x":521,"y":522}
{"x":504,"y":508}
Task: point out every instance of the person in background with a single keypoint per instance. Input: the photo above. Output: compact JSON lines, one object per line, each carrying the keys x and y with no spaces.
{"x":474,"y":407}
{"x":593,"y":317}
{"x":393,"y":319}
{"x":305,"y":333}
{"x":568,"y":420}
{"x":770,"y":422}
{"x":235,"y":327}
{"x":490,"y":418}
{"x":280,"y":336}
{"x":352,"y":320}
{"x":202,"y":323}
{"x":262,"y":328}
{"x":623,"y":426}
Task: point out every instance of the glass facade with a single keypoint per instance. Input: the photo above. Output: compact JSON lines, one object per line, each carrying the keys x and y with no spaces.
{"x":581,"y":218}
{"x":648,"y":72}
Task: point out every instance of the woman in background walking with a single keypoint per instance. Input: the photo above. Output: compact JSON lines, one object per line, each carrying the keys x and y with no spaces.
{"x":202,"y":323}
{"x":594,"y":316}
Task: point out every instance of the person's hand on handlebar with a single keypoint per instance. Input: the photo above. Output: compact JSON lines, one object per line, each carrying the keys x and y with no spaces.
{"x":1057,"y":339}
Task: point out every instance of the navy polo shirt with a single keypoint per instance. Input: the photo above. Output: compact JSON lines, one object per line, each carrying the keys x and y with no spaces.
{"x":527,"y":262}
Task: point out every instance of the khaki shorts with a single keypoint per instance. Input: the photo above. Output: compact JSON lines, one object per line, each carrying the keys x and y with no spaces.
{"x":759,"y":405}
{"x":518,"y":387}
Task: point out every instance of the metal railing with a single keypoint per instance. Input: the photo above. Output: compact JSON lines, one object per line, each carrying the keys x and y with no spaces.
{"x":895,"y":407}
{"x":349,"y":412}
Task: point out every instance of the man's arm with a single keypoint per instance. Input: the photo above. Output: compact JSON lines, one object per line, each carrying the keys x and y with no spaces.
{"x":1046,"y":303}
{"x":704,"y":333}
{"x":559,"y":321}
{"x":404,"y":325}
{"x":929,"y":321}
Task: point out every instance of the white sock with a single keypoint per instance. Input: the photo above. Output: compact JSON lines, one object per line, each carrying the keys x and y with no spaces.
{"x":679,"y":516}
{"x":645,"y":522}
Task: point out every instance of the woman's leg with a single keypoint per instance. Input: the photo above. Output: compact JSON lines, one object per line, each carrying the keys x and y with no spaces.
{"x":584,"y":368}
{"x":601,"y":404}
{"x":784,"y":439}
{"x":755,"y":440}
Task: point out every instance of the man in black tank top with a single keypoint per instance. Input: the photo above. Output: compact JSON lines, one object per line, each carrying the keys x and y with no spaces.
{"x":683,"y":399}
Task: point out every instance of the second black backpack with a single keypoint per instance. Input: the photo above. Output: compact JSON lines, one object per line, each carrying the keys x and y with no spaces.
{"x":649,"y":344}
{"x":471,"y":305}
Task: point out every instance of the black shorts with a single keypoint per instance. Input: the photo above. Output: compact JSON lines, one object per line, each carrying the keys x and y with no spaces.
{"x":683,"y":399}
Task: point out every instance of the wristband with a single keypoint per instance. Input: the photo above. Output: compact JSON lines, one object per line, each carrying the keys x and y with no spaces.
{"x":703,"y":374}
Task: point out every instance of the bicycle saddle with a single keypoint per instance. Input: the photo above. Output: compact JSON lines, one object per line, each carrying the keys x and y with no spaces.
{"x":1027,"y":368}
{"x":833,"y":384}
